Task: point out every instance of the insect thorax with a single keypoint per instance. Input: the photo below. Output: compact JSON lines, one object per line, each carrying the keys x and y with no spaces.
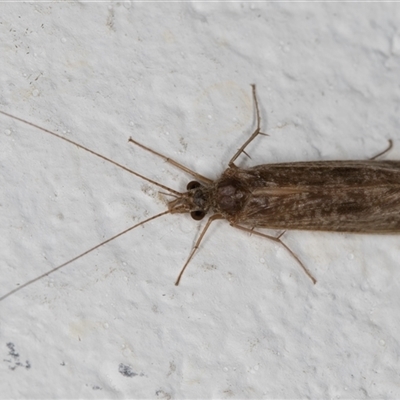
{"x":230,"y":196}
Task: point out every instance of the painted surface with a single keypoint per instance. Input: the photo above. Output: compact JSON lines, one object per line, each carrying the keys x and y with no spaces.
{"x":245,"y":322}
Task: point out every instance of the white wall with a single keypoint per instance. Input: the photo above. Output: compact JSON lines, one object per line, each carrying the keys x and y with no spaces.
{"x":245,"y":322}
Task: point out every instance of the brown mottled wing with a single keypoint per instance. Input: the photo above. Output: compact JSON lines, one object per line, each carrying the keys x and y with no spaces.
{"x":346,"y":196}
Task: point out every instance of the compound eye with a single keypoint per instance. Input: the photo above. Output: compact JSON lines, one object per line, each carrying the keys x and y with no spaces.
{"x":192,"y":185}
{"x":197,"y":215}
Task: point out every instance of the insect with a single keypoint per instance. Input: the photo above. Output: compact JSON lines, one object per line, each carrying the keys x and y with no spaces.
{"x":340,"y":196}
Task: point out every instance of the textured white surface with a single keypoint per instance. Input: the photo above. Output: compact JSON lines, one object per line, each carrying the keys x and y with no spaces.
{"x":246,"y":322}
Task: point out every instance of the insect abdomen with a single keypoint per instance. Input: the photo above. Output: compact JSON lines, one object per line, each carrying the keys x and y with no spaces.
{"x":356,"y":197}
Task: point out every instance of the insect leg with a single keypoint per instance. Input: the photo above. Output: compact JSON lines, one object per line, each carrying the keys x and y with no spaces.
{"x":201,"y":178}
{"x":278,"y":240}
{"x":254,"y":134}
{"x":384,"y":151}
{"x":197,"y":244}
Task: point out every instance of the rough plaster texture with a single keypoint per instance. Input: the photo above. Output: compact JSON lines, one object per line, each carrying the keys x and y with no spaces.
{"x":246,"y":322}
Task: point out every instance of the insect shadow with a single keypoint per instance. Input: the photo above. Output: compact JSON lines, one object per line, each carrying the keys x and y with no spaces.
{"x":339,"y":196}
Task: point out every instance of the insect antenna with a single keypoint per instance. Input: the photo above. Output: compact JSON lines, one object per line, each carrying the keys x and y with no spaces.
{"x":81,"y":255}
{"x":170,"y":191}
{"x":91,"y":152}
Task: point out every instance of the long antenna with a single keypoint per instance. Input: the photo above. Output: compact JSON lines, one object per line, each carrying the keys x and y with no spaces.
{"x":90,"y":151}
{"x":80,"y":255}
